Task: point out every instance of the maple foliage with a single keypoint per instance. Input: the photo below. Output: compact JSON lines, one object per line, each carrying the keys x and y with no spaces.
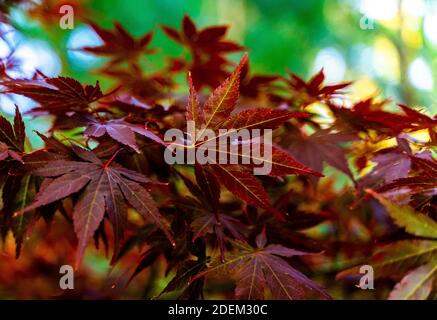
{"x":104,"y":184}
{"x":207,"y":48}
{"x":305,"y":93}
{"x":119,"y":130}
{"x":215,"y":114}
{"x":291,"y":233}
{"x":119,"y":45}
{"x":261,"y":267}
{"x":56,"y":95}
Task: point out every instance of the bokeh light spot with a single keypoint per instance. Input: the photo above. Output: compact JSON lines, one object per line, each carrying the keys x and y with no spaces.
{"x":333,"y":64}
{"x":80,"y":37}
{"x":420,"y":75}
{"x":379,"y":10}
{"x":36,"y":55}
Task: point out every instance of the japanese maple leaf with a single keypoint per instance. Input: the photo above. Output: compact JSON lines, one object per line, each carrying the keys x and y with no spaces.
{"x":119,"y":130}
{"x":187,"y":270}
{"x":102,"y":186}
{"x":254,"y":86}
{"x":319,"y":148}
{"x":416,"y":285}
{"x":369,"y":114}
{"x":417,"y":119}
{"x":5,"y":152}
{"x":391,"y":164}
{"x":147,"y":88}
{"x":421,"y":185}
{"x":217,"y":109}
{"x":119,"y":45}
{"x":208,"y":216}
{"x":56,"y":96}
{"x":216,"y":114}
{"x":207,"y":47}
{"x":305,"y":93}
{"x":256,"y":269}
{"x":21,"y":187}
{"x":12,"y":138}
{"x":18,"y":187}
{"x":407,"y":218}
{"x":218,"y":224}
{"x":210,"y":72}
{"x":209,"y":40}
{"x":393,"y":260}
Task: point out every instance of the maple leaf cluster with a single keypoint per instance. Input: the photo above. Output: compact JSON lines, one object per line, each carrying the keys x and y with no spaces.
{"x":205,"y":221}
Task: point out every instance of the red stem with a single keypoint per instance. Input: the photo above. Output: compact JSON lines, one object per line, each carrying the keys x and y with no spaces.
{"x":108,"y":162}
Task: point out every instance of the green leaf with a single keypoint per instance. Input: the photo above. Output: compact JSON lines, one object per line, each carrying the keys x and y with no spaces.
{"x":405,"y":216}
{"x":394,"y":259}
{"x":417,"y":284}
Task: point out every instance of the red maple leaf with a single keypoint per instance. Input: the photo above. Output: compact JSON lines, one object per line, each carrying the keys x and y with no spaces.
{"x":215,"y":114}
{"x":369,"y":114}
{"x":305,"y":93}
{"x":120,"y":45}
{"x":208,"y":48}
{"x":103,"y":187}
{"x":421,"y":185}
{"x":119,"y":130}
{"x":319,"y":148}
{"x":255,"y":269}
{"x":57,"y":96}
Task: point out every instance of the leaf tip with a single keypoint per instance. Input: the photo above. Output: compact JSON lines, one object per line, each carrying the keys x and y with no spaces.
{"x":243,"y":60}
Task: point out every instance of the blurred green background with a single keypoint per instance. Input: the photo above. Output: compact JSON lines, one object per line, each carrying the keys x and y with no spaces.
{"x":387,"y":47}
